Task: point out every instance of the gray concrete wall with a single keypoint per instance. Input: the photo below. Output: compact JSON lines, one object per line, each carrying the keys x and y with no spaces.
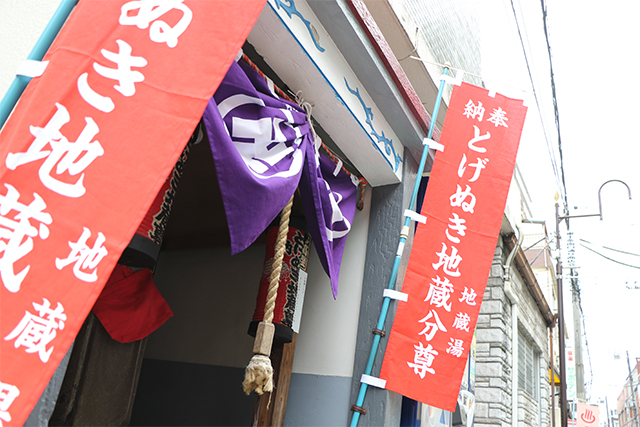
{"x":318,"y":400}
{"x":41,"y":413}
{"x":387,"y":207}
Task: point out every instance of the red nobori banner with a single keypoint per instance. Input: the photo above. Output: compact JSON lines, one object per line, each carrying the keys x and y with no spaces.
{"x":83,"y":156}
{"x":451,"y":255}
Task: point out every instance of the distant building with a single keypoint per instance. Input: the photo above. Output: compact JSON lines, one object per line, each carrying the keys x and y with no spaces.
{"x":613,"y":418}
{"x":628,"y":402}
{"x":513,"y":358}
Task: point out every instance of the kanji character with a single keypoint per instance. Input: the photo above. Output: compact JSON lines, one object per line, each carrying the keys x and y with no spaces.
{"x":439,"y":292}
{"x":423,"y":359}
{"x":66,"y":156}
{"x":431,"y":327}
{"x":468,"y":296}
{"x":16,"y":233}
{"x":462,"y":321}
{"x":35,"y":332}
{"x":149,"y":11}
{"x":84,"y":257}
{"x":498,"y":117}
{"x":455,"y":347}
{"x":449,"y":263}
{"x":472,"y":111}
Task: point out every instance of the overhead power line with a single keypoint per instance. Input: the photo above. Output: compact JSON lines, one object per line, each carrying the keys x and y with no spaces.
{"x":612,"y":249}
{"x":610,"y":259}
{"x":558,"y":175}
{"x":555,"y":99}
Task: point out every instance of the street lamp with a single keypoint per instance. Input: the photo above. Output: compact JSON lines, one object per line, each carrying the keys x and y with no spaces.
{"x":563,"y":376}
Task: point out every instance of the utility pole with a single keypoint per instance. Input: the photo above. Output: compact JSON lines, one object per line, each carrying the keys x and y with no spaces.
{"x":633,"y":393}
{"x":577,"y":317}
{"x":577,"y":330}
{"x":561,"y":344}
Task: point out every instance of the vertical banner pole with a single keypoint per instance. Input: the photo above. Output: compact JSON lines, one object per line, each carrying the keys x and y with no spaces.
{"x":37,"y":53}
{"x":396,"y":262}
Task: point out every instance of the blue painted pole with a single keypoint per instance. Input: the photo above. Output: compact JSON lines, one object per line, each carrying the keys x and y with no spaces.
{"x":396,"y":262}
{"x":37,"y":53}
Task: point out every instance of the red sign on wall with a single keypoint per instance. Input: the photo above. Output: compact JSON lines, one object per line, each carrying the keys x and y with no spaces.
{"x":587,"y":415}
{"x":451,"y":255}
{"x":83,"y":156}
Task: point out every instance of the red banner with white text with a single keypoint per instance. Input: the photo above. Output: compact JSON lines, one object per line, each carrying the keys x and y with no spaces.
{"x":452,"y":253}
{"x":83,"y":156}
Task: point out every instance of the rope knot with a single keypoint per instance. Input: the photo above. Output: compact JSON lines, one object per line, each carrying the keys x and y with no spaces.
{"x":258,"y":375}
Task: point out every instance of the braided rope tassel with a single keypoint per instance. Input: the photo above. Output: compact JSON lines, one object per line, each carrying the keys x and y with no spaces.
{"x":258,"y":375}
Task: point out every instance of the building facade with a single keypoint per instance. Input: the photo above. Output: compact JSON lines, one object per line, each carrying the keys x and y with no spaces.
{"x":628,"y":401}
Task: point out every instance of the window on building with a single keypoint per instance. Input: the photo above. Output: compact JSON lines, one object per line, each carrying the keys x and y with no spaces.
{"x":527,"y":367}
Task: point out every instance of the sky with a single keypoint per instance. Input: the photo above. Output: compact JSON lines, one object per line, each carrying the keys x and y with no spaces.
{"x":594,"y":60}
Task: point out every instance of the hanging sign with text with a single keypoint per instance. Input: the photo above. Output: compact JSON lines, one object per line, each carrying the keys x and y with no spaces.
{"x":83,"y":156}
{"x":452,"y":253}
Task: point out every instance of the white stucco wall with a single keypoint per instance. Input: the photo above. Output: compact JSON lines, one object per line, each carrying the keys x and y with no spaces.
{"x":328,"y":329}
{"x":21,"y":23}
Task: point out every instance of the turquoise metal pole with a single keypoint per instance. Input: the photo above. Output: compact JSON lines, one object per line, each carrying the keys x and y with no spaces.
{"x":37,"y":53}
{"x":396,"y":262}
